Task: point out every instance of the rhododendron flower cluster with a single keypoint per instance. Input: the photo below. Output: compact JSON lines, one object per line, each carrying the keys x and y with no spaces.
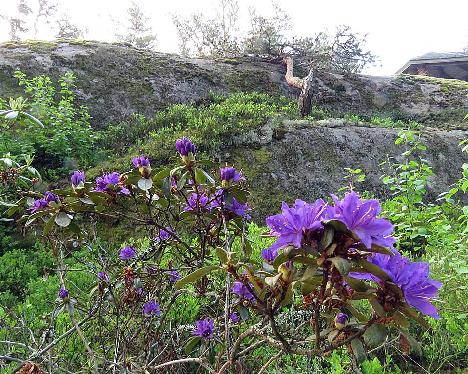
{"x":43,"y":203}
{"x":241,"y":290}
{"x":127,"y":253}
{"x":204,"y":329}
{"x":412,"y":277}
{"x":151,"y":308}
{"x":230,"y":174}
{"x":185,"y":146}
{"x":111,"y":182}
{"x":196,"y":253}
{"x":140,"y":161}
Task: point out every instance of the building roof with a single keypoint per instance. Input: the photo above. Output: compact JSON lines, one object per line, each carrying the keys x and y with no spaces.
{"x":435,"y":58}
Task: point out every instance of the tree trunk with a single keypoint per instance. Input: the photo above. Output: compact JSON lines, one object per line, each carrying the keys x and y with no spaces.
{"x":305,"y":98}
{"x":305,"y":85}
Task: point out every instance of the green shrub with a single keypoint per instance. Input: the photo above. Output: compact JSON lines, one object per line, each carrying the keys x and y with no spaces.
{"x":67,"y":140}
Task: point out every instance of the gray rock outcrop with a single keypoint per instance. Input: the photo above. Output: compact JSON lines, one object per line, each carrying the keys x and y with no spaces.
{"x":116,"y":80}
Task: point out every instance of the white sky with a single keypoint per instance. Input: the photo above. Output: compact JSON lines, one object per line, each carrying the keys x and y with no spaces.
{"x":397,"y":30}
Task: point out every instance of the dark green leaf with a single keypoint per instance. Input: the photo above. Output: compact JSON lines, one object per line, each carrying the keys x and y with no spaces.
{"x":378,"y":308}
{"x":375,"y":335}
{"x":341,"y":264}
{"x":373,"y":269}
{"x":337,"y":225}
{"x":244,"y":313}
{"x":357,"y":284}
{"x":400,"y":320}
{"x":327,"y":237}
{"x":358,"y":350}
{"x":48,"y":225}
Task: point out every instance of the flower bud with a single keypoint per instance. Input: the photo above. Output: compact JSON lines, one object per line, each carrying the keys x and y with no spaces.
{"x":340,"y":320}
{"x":186,"y":148}
{"x":63,"y":293}
{"x":77,"y":179}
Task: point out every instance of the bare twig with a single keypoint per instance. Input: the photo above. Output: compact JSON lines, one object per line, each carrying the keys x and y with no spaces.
{"x":196,"y":360}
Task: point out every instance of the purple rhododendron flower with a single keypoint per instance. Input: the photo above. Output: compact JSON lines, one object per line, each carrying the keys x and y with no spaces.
{"x":360,"y":217}
{"x":127,"y":253}
{"x":174,"y":275}
{"x":43,"y":203}
{"x":238,"y":208}
{"x":233,"y":206}
{"x":341,"y":318}
{"x":241,"y":290}
{"x":234,"y":318}
{"x":204,"y":329}
{"x":185,"y":146}
{"x":197,"y":201}
{"x":293,"y":223}
{"x":230,"y":174}
{"x":103,"y":276}
{"x":269,"y":254}
{"x":103,"y":182}
{"x":38,"y":204}
{"x":51,"y":197}
{"x":165,"y":234}
{"x":412,"y":277}
{"x":77,"y":178}
{"x":63,"y":293}
{"x":151,"y":308}
{"x":140,"y":161}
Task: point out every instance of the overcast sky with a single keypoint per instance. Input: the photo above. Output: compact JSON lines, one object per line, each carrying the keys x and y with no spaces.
{"x":397,"y":30}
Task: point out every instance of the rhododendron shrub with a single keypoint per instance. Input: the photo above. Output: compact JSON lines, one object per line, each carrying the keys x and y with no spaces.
{"x":328,"y":260}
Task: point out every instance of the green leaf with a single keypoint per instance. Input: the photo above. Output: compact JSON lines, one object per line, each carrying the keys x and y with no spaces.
{"x":145,"y":184}
{"x":327,"y":237}
{"x":208,"y":177}
{"x":337,"y":225}
{"x":63,"y":219}
{"x":160,"y":175}
{"x":304,"y":260}
{"x":166,"y":187}
{"x":378,"y":308}
{"x":356,"y":313}
{"x":341,"y":264}
{"x":244,"y":313}
{"x":357,"y":284}
{"x":240,"y":194}
{"x":358,"y":350}
{"x":282,"y":257}
{"x":4,"y":203}
{"x":196,"y":275}
{"x":222,"y":255}
{"x":373,"y":269}
{"x":400,"y":320}
{"x":379,"y":249}
{"x":414,"y":315}
{"x":48,"y":226}
{"x":86,"y":200}
{"x":191,"y":344}
{"x":375,"y":335}
{"x":200,"y":177}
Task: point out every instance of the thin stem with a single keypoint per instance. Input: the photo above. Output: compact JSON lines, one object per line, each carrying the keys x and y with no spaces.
{"x":197,"y":360}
